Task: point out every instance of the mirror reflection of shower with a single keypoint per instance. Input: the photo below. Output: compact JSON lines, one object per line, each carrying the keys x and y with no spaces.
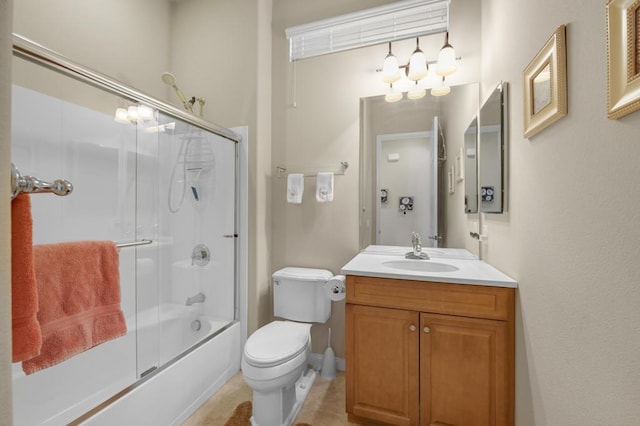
{"x":170,"y":80}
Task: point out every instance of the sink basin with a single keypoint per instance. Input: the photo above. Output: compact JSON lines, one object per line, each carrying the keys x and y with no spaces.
{"x":420,"y":266}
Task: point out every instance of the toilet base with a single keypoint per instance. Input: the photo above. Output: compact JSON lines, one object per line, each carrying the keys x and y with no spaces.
{"x":281,"y":408}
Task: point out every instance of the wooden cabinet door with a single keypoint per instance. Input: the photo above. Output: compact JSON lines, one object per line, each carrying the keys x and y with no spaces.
{"x":464,"y":379}
{"x":382,"y":364}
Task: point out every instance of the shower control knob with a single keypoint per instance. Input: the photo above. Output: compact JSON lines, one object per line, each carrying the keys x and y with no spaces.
{"x":200,"y":255}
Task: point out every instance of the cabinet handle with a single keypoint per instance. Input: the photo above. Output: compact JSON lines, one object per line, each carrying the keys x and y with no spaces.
{"x":412,"y":327}
{"x":426,"y":329}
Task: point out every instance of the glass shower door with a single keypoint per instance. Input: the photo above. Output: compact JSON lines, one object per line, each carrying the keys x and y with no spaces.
{"x":196,"y":227}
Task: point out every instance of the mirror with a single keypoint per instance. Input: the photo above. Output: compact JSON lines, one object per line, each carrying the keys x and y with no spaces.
{"x":492,"y":149}
{"x":403,"y":147}
{"x":471,"y":167}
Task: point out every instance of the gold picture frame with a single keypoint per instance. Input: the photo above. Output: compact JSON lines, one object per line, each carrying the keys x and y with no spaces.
{"x":623,"y":57}
{"x":545,"y":85}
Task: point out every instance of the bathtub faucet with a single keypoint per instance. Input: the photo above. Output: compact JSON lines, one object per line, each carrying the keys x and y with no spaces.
{"x":198,"y":298}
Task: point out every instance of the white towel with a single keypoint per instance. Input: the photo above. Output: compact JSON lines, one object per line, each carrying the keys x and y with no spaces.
{"x":324,"y":187}
{"x":295,"y":187}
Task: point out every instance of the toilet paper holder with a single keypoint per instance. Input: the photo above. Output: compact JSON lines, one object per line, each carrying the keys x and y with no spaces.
{"x":337,"y":289}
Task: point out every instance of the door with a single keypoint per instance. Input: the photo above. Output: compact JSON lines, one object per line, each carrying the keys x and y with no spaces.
{"x":463,"y":371}
{"x":406,"y":187}
{"x":382,"y":364}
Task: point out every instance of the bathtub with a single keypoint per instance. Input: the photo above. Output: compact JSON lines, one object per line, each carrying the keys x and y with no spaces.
{"x":172,"y":394}
{"x":78,"y":392}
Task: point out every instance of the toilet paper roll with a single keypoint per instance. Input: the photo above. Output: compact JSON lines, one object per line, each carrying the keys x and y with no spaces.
{"x":335,"y":288}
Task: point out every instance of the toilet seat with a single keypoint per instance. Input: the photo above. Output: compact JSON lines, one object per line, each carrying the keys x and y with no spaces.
{"x":276,"y":343}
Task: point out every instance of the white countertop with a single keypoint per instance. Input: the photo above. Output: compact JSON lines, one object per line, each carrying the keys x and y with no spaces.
{"x":370,"y":263}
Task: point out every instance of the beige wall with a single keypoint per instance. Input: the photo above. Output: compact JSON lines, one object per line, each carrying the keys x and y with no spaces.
{"x":127,"y":40}
{"x":6,"y":410}
{"x":322,"y":129}
{"x":571,"y":236}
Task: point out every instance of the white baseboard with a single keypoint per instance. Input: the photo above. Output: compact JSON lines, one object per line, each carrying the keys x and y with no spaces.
{"x":316,"y":362}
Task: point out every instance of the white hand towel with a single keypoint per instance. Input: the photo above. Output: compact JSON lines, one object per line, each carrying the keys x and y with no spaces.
{"x":324,"y":187}
{"x":295,"y":187}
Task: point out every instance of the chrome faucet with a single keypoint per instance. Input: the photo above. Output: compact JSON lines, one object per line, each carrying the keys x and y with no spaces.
{"x":198,"y":298}
{"x":416,"y":242}
{"x":417,"y":252}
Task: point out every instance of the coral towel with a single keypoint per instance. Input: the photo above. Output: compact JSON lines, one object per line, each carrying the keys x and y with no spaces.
{"x":79,"y":299}
{"x":24,"y":296}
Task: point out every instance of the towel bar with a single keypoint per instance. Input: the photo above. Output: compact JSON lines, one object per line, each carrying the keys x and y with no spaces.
{"x":133,"y":244}
{"x":344,"y":165}
{"x":30,"y":184}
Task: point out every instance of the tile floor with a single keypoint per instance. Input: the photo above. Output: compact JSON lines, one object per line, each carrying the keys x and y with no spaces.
{"x":324,"y":406}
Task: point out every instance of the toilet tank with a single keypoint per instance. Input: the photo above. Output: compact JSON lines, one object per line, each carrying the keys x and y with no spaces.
{"x":299,"y":295}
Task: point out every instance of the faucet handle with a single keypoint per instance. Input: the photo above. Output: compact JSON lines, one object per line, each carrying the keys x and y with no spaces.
{"x":417,"y":243}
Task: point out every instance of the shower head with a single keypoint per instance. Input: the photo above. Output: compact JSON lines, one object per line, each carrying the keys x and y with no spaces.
{"x":170,"y":80}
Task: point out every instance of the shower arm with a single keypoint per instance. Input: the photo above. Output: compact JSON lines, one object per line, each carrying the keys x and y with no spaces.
{"x":188,"y":104}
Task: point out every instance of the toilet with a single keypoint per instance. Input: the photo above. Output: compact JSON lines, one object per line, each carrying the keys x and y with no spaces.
{"x":275,"y":357}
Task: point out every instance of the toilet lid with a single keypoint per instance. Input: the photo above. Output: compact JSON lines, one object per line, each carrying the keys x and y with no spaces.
{"x":276,"y":342}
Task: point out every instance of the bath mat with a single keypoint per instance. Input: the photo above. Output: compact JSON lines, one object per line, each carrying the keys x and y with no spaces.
{"x":242,"y":414}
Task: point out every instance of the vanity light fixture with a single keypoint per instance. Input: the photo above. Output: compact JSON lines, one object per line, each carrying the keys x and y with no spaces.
{"x":393,"y":95}
{"x":441,"y":90}
{"x":391,"y":68}
{"x":121,"y":116}
{"x":417,"y":70}
{"x":446,"y":58}
{"x":416,"y":92}
{"x":133,"y":114}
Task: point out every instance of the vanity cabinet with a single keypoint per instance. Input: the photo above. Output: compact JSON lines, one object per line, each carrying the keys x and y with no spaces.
{"x":429,"y":354}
